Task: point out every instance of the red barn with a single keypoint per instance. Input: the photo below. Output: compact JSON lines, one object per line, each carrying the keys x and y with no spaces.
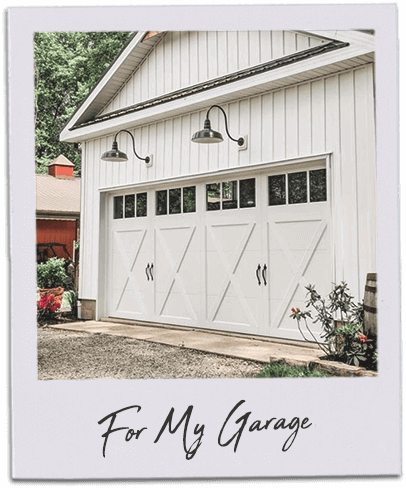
{"x":58,"y":210}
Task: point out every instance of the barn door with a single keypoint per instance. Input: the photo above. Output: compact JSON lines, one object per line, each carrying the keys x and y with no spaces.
{"x":298,"y":245}
{"x":130,"y":242}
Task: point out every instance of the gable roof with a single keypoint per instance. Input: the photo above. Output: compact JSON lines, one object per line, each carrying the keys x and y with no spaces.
{"x":115,"y":76}
{"x":58,"y":195}
{"x":359,"y":46}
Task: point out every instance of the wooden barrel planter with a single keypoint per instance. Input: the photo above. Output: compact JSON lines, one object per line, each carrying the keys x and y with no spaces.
{"x":370,"y":304}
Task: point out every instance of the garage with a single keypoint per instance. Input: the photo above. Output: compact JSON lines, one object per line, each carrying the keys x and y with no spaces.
{"x":231,"y":252}
{"x":215,"y":188}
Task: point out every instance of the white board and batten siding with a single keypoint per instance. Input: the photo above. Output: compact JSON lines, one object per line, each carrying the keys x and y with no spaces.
{"x":183,"y":59}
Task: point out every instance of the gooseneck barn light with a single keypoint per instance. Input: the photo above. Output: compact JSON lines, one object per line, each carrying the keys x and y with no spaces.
{"x":114,"y":155}
{"x":210,"y":136}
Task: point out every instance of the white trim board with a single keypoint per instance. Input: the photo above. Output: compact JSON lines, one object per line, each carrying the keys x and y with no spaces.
{"x":222,"y":172}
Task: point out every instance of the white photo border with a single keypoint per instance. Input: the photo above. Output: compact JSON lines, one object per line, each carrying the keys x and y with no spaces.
{"x":355,"y":421}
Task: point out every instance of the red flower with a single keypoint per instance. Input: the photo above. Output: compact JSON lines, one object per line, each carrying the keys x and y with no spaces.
{"x":49,"y":302}
{"x":362,"y":338}
{"x":293,"y":310}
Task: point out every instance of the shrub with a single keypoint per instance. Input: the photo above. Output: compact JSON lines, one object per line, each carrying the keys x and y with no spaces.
{"x":347,"y":343}
{"x":354,"y":347}
{"x":51,"y":273}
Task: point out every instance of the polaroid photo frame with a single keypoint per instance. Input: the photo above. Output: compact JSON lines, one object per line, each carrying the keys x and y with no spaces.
{"x":120,"y":429}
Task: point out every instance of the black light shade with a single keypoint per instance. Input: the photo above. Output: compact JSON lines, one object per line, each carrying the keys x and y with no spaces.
{"x":207,"y":135}
{"x":114,"y":154}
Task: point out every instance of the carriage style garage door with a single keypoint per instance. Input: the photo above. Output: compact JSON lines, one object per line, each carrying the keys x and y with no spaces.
{"x":226,"y":253}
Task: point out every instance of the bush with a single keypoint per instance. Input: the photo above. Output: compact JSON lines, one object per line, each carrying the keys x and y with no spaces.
{"x":347,"y":343}
{"x":278,"y":370}
{"x":354,"y":347}
{"x":51,"y":274}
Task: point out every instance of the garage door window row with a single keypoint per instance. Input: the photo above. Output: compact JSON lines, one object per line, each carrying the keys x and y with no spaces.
{"x":130,"y":206}
{"x":230,"y":194}
{"x":175,"y":201}
{"x":300,"y":187}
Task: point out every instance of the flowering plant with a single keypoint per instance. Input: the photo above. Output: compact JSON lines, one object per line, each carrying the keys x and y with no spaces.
{"x":47,"y":306}
{"x":346,"y":343}
{"x":352,"y":346}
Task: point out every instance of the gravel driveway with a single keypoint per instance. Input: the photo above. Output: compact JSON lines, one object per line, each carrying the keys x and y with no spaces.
{"x":78,"y":355}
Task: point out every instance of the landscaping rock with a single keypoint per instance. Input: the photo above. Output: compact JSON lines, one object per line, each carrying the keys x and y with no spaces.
{"x":336,"y":368}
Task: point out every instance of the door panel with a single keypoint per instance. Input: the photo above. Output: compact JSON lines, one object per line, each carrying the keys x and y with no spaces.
{"x":298,"y":255}
{"x":177,"y":280}
{"x":233,"y":252}
{"x":130,"y":294}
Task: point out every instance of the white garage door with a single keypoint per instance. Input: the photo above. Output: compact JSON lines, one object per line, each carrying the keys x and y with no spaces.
{"x":231,"y":253}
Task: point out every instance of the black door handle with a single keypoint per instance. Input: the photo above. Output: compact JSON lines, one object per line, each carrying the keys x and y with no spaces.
{"x":150,"y":272}
{"x":146,"y":271}
{"x":263,"y":274}
{"x":258,"y":269}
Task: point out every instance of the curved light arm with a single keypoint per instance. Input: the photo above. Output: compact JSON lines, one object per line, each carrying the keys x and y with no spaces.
{"x":147,"y":159}
{"x":239,"y":141}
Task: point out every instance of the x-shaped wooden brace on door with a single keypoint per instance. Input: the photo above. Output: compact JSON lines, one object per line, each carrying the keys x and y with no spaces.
{"x":298,"y":270}
{"x":230,"y":269}
{"x":175,"y":275}
{"x":129,"y":266}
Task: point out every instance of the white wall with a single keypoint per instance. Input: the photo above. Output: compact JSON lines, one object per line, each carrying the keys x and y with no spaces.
{"x":182,"y":59}
{"x":331,"y":114}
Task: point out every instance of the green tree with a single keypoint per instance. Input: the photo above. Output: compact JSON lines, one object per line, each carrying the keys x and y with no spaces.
{"x":67,"y":65}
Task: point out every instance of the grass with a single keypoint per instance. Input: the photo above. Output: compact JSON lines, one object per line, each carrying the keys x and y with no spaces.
{"x":278,"y":370}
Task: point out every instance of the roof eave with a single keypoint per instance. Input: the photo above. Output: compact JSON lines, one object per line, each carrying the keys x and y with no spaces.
{"x":104,"y":78}
{"x":218,"y":94}
{"x":54,"y":213}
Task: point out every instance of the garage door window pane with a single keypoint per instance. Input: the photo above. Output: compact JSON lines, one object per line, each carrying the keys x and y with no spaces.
{"x":129,"y":206}
{"x":230,"y":195}
{"x":213,"y":197}
{"x":318,"y":185}
{"x":297,"y":187}
{"x":141,"y":205}
{"x":118,"y":208}
{"x":189,"y":199}
{"x":247,"y":193}
{"x":174,"y":201}
{"x":277,"y":190}
{"x":161,"y":202}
